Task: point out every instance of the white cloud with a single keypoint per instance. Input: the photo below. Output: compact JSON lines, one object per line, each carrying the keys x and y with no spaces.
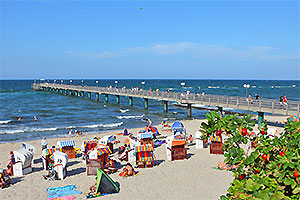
{"x":206,"y":52}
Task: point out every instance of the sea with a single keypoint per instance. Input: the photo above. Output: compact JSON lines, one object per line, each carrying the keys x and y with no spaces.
{"x":57,"y":114}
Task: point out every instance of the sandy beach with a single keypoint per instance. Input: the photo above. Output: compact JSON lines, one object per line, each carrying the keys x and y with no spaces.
{"x":193,"y":178}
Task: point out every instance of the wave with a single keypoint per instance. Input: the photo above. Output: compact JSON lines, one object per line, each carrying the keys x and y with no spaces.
{"x":213,"y":86}
{"x":124,"y":111}
{"x":131,"y":116}
{"x":26,"y":129}
{"x":97,"y":126}
{"x":5,"y":121}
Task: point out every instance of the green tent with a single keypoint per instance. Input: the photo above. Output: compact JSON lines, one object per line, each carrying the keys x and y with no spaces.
{"x":105,"y":184}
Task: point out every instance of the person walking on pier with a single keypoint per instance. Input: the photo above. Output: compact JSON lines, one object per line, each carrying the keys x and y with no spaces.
{"x":281,"y":101}
{"x":249,"y":99}
{"x":285,"y":102}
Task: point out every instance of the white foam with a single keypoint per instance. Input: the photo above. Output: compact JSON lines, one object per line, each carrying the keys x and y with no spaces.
{"x":97,"y":126}
{"x":39,"y":129}
{"x":26,"y":129}
{"x":5,"y":121}
{"x":213,"y":86}
{"x":124,"y":111}
{"x":130,"y":116}
{"x":11,"y":132}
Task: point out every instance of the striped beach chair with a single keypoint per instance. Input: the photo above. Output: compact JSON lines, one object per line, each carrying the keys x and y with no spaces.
{"x":68,"y":147}
{"x":216,"y":145}
{"x":47,"y":156}
{"x":144,"y":156}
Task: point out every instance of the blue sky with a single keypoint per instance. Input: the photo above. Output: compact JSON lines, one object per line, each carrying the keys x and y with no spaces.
{"x":166,"y":39}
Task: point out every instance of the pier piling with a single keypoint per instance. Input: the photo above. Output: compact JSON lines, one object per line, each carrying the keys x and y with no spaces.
{"x":165,"y":106}
{"x":146,"y":104}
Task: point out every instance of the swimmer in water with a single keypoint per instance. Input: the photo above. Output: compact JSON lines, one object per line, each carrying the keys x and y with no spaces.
{"x":35,"y":118}
{"x":20,"y":119}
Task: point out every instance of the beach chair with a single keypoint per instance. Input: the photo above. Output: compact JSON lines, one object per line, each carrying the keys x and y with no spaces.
{"x":146,"y":138}
{"x":216,"y":146}
{"x":47,"y":155}
{"x":68,"y":147}
{"x":60,"y":164}
{"x":97,"y":158}
{"x":178,"y":150}
{"x":23,"y":159}
{"x":144,"y":156}
{"x":108,"y":141}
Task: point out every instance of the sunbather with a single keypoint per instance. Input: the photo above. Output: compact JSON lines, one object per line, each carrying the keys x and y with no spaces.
{"x":224,"y":166}
{"x":93,"y":188}
{"x":127,"y":171}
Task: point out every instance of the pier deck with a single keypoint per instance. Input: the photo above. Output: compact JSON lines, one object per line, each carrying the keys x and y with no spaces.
{"x":229,"y":102}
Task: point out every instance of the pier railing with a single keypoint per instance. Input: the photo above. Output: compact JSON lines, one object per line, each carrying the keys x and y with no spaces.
{"x":232,"y":102}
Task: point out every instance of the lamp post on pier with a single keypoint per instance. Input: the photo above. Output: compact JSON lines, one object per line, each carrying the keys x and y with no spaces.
{"x":116,"y":82}
{"x":143,"y":83}
{"x":246,"y":86}
{"x":182,"y":84}
{"x":97,"y":83}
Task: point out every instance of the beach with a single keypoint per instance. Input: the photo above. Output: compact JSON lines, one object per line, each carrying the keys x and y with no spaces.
{"x":194,"y":178}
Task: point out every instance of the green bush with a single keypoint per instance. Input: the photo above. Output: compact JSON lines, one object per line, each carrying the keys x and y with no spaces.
{"x":271,"y":170}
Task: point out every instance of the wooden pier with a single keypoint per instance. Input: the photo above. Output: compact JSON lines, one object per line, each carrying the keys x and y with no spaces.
{"x":218,"y":101}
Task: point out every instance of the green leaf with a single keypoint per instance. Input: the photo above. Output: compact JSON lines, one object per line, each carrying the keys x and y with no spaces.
{"x":296,"y":190}
{"x":243,"y":196}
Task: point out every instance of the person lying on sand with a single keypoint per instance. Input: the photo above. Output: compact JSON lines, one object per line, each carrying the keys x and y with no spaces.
{"x":127,"y":171}
{"x":224,"y":166}
{"x":93,"y":188}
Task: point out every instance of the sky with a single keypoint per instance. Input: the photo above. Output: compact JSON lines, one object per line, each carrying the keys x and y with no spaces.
{"x":150,"y":39}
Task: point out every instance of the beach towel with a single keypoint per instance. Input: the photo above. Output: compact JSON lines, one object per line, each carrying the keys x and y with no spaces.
{"x":62,"y":191}
{"x":63,"y":198}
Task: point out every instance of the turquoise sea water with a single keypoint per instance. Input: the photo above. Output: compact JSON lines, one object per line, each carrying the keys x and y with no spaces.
{"x":57,"y":114}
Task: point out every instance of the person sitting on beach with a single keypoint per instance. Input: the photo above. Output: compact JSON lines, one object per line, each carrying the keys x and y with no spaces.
{"x":2,"y":180}
{"x":51,"y":171}
{"x":109,"y":167}
{"x":12,"y":159}
{"x":76,"y":133}
{"x":71,"y":133}
{"x":79,"y":133}
{"x":127,"y":171}
{"x":224,"y":166}
{"x":9,"y":170}
{"x":190,"y":140}
{"x":123,"y":154}
{"x":125,"y":131}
